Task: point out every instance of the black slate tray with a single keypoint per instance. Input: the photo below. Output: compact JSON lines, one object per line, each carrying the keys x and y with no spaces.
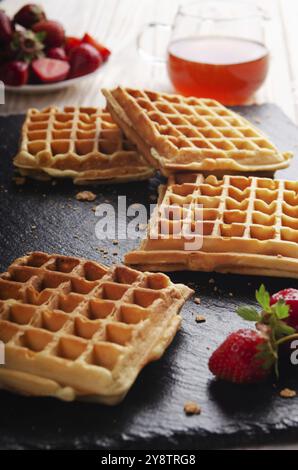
{"x":40,"y":216}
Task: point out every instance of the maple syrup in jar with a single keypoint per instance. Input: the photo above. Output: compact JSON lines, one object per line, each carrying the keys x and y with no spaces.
{"x":228,"y":69}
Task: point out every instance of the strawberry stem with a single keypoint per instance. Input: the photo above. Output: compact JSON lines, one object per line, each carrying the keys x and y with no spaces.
{"x":287,"y":338}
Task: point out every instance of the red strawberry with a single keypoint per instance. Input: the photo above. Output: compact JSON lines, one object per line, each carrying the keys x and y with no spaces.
{"x":104,"y":51}
{"x":7,"y":53}
{"x":28,"y":15}
{"x":84,"y":59}
{"x":57,"y":53}
{"x":235,"y":359}
{"x":71,"y":42}
{"x":15,"y":73}
{"x":50,"y":70}
{"x":290,"y":296}
{"x":53,"y":30}
{"x":6,"y":28}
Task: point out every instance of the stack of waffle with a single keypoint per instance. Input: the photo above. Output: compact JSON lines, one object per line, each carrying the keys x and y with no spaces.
{"x":237,"y":224}
{"x":75,"y":328}
{"x":246,"y":225}
{"x":79,"y":143}
{"x":177,"y":134}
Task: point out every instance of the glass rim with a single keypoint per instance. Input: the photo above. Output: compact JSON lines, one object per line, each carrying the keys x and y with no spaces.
{"x":258,"y":11}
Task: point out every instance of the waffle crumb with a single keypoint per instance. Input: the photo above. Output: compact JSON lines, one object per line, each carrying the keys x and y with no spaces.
{"x":287,"y":393}
{"x":192,"y":408}
{"x":197,"y":300}
{"x":19,"y":180}
{"x":200,"y":319}
{"x":279,"y":256}
{"x":85,"y":196}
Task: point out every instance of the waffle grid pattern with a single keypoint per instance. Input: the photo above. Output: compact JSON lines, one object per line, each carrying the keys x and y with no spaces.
{"x":82,"y":324}
{"x":198,"y":134}
{"x":244,"y":216}
{"x":82,"y":143}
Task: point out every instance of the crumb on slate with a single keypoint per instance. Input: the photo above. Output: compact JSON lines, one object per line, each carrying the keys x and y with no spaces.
{"x":19,"y":180}
{"x":94,"y":208}
{"x":191,"y":408}
{"x":287,"y":393}
{"x":115,"y":242}
{"x":231,"y":294}
{"x":85,"y":196}
{"x":197,"y":300}
{"x":200,"y":319}
{"x":211,"y":281}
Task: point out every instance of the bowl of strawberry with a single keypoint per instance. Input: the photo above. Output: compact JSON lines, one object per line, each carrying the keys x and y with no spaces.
{"x":37,"y":55}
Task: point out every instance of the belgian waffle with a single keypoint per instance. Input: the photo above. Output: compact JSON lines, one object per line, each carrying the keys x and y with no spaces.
{"x":79,"y":143}
{"x":247,"y":226}
{"x":177,"y":134}
{"x":75,"y":328}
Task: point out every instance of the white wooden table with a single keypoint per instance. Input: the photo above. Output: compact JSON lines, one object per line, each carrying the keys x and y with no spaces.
{"x":117,"y":23}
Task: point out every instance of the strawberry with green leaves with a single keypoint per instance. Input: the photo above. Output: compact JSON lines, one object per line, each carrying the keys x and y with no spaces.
{"x":249,"y":356}
{"x":290,"y":296}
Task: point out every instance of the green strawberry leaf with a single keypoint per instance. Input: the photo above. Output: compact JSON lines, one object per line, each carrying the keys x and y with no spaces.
{"x":282,"y":329}
{"x":41,"y":35}
{"x":248,"y":313}
{"x":281,"y":309}
{"x":263,"y":297}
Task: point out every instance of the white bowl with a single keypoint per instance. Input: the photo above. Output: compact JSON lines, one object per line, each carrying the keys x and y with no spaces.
{"x":48,"y":87}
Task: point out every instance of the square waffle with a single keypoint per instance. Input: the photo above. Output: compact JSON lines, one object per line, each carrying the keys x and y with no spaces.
{"x":75,"y":328}
{"x":247,"y":226}
{"x":79,"y":143}
{"x":175,"y":134}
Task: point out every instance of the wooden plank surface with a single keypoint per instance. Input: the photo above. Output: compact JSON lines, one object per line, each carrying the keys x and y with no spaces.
{"x":118,"y":22}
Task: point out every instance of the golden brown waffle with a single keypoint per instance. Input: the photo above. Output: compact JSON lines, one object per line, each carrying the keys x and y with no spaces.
{"x":75,"y":328}
{"x":177,"y":134}
{"x":79,"y":143}
{"x":248,"y":225}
